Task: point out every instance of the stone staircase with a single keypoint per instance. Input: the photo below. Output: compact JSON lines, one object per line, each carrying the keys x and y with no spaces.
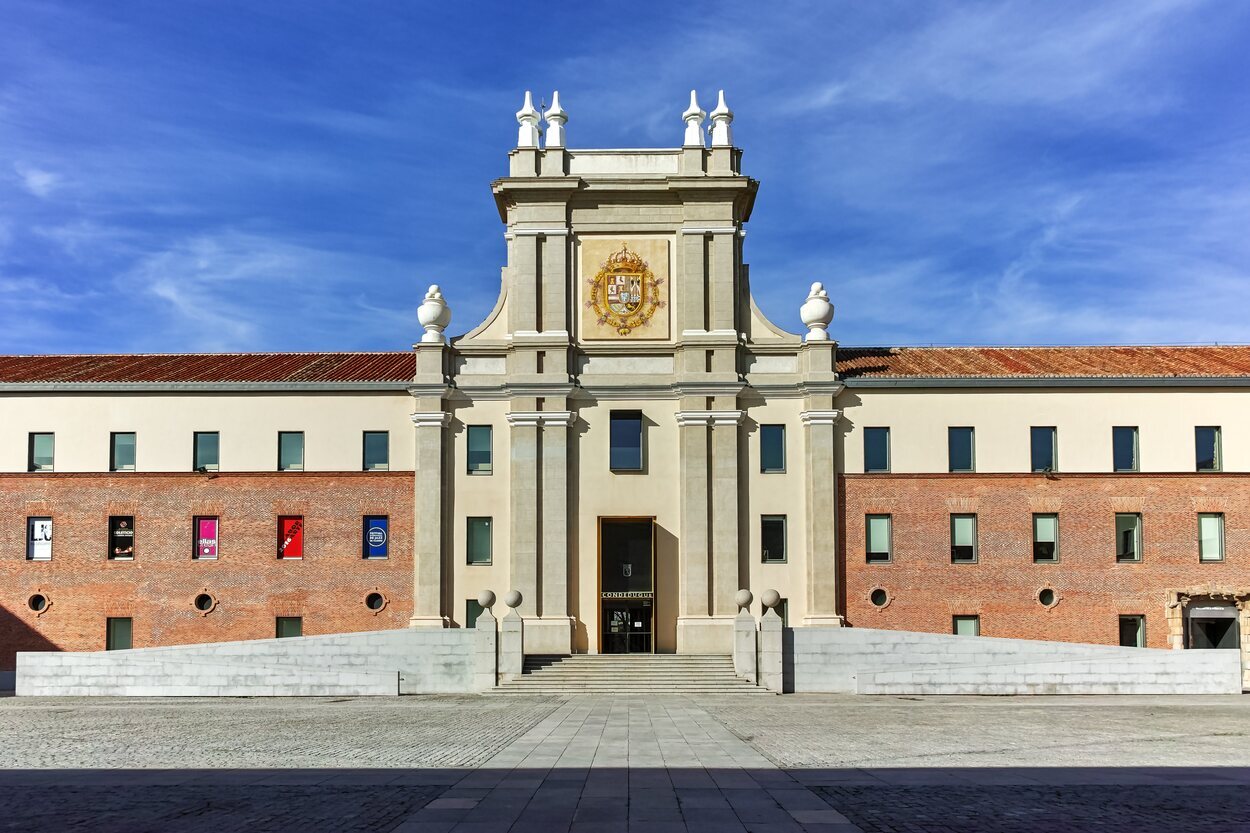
{"x":629,"y":674}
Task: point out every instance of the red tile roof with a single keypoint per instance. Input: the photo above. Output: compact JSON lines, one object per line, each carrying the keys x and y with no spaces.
{"x":210,"y":368}
{"x":1042,"y":362}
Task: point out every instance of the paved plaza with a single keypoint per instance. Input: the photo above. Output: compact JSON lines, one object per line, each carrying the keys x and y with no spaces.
{"x":516,"y":764}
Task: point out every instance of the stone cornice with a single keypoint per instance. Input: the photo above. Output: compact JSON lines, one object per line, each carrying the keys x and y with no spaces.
{"x":431,"y":419}
{"x":829,"y":417}
{"x":712,"y":418}
{"x":540,"y":418}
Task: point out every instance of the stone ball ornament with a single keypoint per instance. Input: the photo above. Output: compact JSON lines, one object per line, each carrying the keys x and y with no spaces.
{"x":743,"y":599}
{"x":770,"y":599}
{"x":513,"y":598}
{"x":486,"y":599}
{"x":817,"y":313}
{"x":434,"y":315}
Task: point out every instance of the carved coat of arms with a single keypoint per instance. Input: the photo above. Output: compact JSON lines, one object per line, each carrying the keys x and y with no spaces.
{"x":624,"y":294}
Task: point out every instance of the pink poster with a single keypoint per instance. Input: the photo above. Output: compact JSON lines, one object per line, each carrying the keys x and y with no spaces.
{"x":206,"y":537}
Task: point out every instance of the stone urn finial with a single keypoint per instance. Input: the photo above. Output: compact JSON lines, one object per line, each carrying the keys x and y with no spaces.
{"x":513,"y":599}
{"x":722,"y":117}
{"x":770,"y":599}
{"x":527,"y":117}
{"x":693,"y":117}
{"x":434,"y":315}
{"x":486,"y":599}
{"x":817,"y":314}
{"x":743,"y":599}
{"x":556,"y":119}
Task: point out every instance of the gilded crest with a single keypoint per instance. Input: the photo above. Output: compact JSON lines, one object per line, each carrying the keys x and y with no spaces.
{"x":624,"y":294}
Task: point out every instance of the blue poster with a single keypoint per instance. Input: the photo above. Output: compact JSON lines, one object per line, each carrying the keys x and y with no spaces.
{"x":377,"y":532}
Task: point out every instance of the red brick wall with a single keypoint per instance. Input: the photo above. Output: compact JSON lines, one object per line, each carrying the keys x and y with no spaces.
{"x":926,"y":589}
{"x":327,"y":588}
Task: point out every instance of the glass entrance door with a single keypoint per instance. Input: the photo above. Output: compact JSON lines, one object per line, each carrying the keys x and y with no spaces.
{"x":626,"y":585}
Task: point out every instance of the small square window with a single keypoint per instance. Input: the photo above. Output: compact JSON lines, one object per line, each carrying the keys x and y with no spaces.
{"x":472,"y":610}
{"x":1133,"y":631}
{"x":478,"y":541}
{"x":207,"y":528}
{"x":963,"y":539}
{"x":966,"y":625}
{"x":121,"y":537}
{"x":1127,"y":536}
{"x":772,"y":448}
{"x":479,"y":457}
{"x":1045,"y":538}
{"x":876,"y":449}
{"x":1124,"y":448}
{"x":1043,"y":449}
{"x":1207,"y":448}
{"x":376,"y":536}
{"x":961,"y":449}
{"x":291,"y":536}
{"x":625,"y":440}
{"x":1210,"y":536}
{"x":285,"y":627}
{"x":773,"y":538}
{"x":377,"y":451}
{"x":122,"y":451}
{"x":878,"y":534}
{"x":206,"y":455}
{"x":41,"y":452}
{"x":39,"y":539}
{"x":118,"y":633}
{"x":290,"y":451}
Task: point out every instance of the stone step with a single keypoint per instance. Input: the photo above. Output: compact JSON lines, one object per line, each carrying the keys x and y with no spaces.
{"x":618,"y":675}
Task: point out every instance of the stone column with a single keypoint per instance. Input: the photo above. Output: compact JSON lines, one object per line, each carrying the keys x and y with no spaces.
{"x":555,"y":282}
{"x":523,"y":518}
{"x":486,"y":652}
{"x":745,"y":638}
{"x":820,"y":484}
{"x":553,"y":633}
{"x":725,"y":517}
{"x":428,"y":517}
{"x":771,"y":659}
{"x":693,"y":607}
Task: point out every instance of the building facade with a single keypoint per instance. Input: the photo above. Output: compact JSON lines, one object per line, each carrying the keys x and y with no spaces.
{"x":626,"y":441}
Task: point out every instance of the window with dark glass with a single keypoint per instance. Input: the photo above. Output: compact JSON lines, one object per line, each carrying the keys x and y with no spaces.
{"x":1043,"y":450}
{"x":40,"y":452}
{"x":966,"y":625}
{"x":118,"y":633}
{"x":961,"y":449}
{"x":625,"y":439}
{"x":783,"y":610}
{"x":876,"y":449}
{"x":772,"y":448}
{"x":1127,"y":536}
{"x":963,"y":538}
{"x":1124,"y":448}
{"x":472,"y":611}
{"x":1133,"y":631}
{"x":477,"y":541}
{"x":878,"y":534}
{"x":1211,"y":536}
{"x":377,"y":450}
{"x":1045,"y":538}
{"x":121,"y":451}
{"x":479,"y":456}
{"x":207,"y":453}
{"x":285,"y":627}
{"x":290,"y":451}
{"x":773,"y":538}
{"x":1207,"y":447}
{"x":121,"y":537}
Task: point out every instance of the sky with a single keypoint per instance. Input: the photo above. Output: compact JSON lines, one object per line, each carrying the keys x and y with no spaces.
{"x":209,"y":176}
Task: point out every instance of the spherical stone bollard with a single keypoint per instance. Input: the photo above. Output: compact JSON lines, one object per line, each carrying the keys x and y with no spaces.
{"x":486,"y":599}
{"x":513,"y":599}
{"x":743,"y":599}
{"x":770,"y":598}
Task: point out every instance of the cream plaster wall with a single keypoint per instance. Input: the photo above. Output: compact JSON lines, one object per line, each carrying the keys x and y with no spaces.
{"x":333,"y":426}
{"x":918,"y":419}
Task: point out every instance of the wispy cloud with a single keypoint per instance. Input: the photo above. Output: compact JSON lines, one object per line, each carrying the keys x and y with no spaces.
{"x":37,"y":181}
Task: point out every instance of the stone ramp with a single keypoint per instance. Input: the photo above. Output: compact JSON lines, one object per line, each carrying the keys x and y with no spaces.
{"x":629,"y":674}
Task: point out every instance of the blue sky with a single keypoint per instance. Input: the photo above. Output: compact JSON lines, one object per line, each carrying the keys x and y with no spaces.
{"x":288,"y":176}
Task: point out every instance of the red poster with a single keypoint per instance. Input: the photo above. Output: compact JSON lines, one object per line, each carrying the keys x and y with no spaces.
{"x":290,"y":537}
{"x":206,"y":537}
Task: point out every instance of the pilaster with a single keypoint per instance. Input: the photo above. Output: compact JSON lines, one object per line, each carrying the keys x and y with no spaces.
{"x":820,"y":486}
{"x":429,"y":518}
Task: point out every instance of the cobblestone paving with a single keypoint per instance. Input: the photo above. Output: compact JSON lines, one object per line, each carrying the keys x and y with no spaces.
{"x":1022,"y":809}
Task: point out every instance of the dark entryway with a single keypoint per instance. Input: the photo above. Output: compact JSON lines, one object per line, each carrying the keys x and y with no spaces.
{"x":1212,"y":624}
{"x":627,"y":585}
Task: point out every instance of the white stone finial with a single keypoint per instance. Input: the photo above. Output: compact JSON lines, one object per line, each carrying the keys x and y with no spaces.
{"x":722,"y":117}
{"x":527,"y":117}
{"x":434,"y":315}
{"x":817,"y":314}
{"x":556,"y":119}
{"x":693,"y":117}
{"x":513,"y":599}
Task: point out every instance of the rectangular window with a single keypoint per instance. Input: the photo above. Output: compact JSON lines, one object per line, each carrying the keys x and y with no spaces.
{"x":878,"y":533}
{"x":285,"y":627}
{"x":121,"y":537}
{"x":118,"y":633}
{"x":773,"y":538}
{"x":1124,"y":448}
{"x":1045,"y":538}
{"x":477,"y":541}
{"x":291,"y":536}
{"x":122,"y":451}
{"x":41,"y":448}
{"x":876,"y":449}
{"x":963,"y":539}
{"x":961,"y":448}
{"x":472,"y":610}
{"x":772,"y":448}
{"x":207,"y":453}
{"x":1127,"y":536}
{"x":1207,"y":447}
{"x":1210,"y":537}
{"x":377,"y":451}
{"x":479,"y":452}
{"x":376,"y":536}
{"x":1043,"y":448}
{"x":1132,"y":631}
{"x":290,"y":451}
{"x":39,"y":539}
{"x":966,"y":625}
{"x":206,"y":529}
{"x":625,"y":439}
